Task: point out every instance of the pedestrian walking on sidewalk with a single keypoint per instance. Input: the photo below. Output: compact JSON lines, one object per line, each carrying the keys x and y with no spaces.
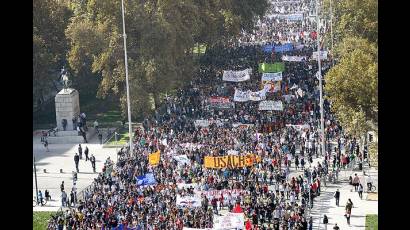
{"x":360,"y":191}
{"x":337,"y":196}
{"x":325,"y":221}
{"x":62,"y":186}
{"x":76,"y":160}
{"x":80,"y":151}
{"x":63,"y":198}
{"x":356,"y":182}
{"x":46,"y":145}
{"x":86,"y":153}
{"x":92,"y":159}
{"x":348,"y":207}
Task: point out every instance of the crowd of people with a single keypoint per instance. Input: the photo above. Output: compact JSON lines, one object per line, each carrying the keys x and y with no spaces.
{"x":273,"y":193}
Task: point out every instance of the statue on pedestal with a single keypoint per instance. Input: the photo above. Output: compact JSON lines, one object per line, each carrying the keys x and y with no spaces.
{"x":64,"y":79}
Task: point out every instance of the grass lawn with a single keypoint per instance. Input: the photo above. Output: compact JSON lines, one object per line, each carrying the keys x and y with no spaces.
{"x":40,"y":220}
{"x":123,"y":138}
{"x":371,"y":222}
{"x":106,"y":111}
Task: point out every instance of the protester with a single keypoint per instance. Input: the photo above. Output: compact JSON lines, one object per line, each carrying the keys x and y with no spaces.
{"x":265,"y":191}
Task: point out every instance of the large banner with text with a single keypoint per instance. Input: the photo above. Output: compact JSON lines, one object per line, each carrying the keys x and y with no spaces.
{"x":231,"y":161}
{"x":237,"y":76}
{"x":271,"y":68}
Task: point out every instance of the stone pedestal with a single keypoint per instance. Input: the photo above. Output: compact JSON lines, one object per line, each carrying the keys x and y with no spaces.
{"x":67,"y":106}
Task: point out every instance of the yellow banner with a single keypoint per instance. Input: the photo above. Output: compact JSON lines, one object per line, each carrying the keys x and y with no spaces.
{"x":153,"y":158}
{"x":231,"y":161}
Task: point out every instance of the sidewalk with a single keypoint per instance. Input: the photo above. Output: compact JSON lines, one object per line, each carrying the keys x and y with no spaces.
{"x":326,"y":203}
{"x":61,"y":156}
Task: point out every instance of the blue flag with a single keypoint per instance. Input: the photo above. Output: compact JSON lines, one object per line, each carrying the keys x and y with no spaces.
{"x":147,"y":179}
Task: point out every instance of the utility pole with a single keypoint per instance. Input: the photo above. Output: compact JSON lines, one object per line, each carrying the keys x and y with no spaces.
{"x":331,"y":31}
{"x":35,"y":177}
{"x":126,"y":78}
{"x":322,"y":129}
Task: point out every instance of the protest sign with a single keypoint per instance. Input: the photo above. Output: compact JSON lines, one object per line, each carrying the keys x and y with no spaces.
{"x":186,"y":186}
{"x":188,"y":201}
{"x":221,"y":103}
{"x":257,"y":96}
{"x":284,"y":48}
{"x":241,"y":96}
{"x":217,"y":193}
{"x":201,"y":123}
{"x":229,"y":221}
{"x":293,"y":58}
{"x":271,"y":105}
{"x":153,"y":158}
{"x":147,"y":179}
{"x":323,"y":55}
{"x":294,"y":17}
{"x":231,"y":161}
{"x":272,"y":77}
{"x":272,"y":87}
{"x":182,"y":159}
{"x":237,"y":76}
{"x":271,"y":68}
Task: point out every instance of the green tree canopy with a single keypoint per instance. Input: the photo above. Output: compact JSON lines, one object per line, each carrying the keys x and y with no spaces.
{"x":50,"y":18}
{"x":352,"y":88}
{"x":160,"y":38}
{"x":358,"y":18}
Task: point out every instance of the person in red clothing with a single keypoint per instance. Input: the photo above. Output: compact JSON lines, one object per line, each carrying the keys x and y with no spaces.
{"x":248,"y":225}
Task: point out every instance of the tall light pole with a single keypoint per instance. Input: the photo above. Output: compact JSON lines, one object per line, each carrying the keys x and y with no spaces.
{"x":126,"y":77}
{"x":331,"y":30}
{"x":35,"y":176}
{"x":322,"y":129}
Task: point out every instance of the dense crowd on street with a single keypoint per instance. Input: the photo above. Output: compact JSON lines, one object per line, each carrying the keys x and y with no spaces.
{"x":274,"y":193}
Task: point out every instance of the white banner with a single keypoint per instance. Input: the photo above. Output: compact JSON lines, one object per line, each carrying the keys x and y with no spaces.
{"x":188,"y":201}
{"x":272,"y":76}
{"x":187,"y":186}
{"x":217,"y":193}
{"x":237,"y":76}
{"x":229,"y":221}
{"x":293,"y":58}
{"x":240,"y":125}
{"x":258,"y":96}
{"x":271,"y":105}
{"x":323,"y":55}
{"x":201,"y":123}
{"x":241,"y":96}
{"x":186,"y":228}
{"x":192,"y":146}
{"x":298,"y":127}
{"x":182,"y":159}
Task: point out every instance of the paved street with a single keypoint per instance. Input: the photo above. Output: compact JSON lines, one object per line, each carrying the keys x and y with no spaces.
{"x":61,"y":156}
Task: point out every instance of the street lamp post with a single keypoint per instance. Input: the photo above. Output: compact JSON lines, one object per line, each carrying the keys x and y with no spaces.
{"x":35,"y":176}
{"x":320,"y":80}
{"x":331,"y":31}
{"x":126,"y":78}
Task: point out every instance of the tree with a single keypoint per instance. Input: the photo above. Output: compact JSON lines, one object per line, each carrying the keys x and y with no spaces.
{"x":358,"y":18}
{"x":160,"y":37}
{"x":352,"y":88}
{"x":50,"y":18}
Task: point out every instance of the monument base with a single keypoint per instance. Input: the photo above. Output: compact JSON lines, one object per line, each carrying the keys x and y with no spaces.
{"x":70,"y":137}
